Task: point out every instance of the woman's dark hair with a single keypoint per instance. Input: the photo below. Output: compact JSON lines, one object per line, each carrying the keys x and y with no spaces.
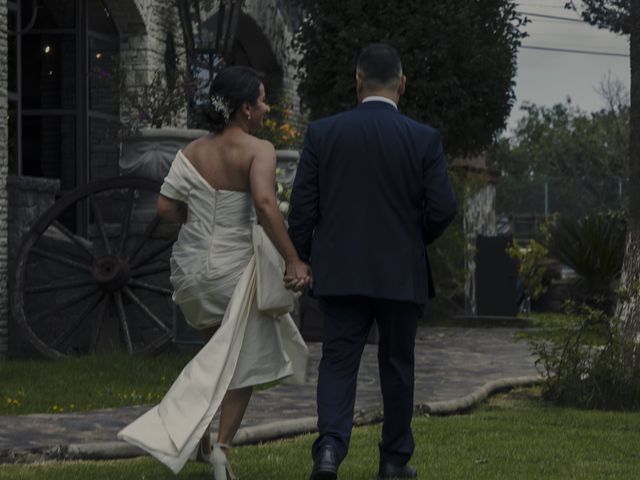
{"x":230,"y":89}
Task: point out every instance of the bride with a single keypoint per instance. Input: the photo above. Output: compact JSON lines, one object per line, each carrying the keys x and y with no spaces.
{"x":216,"y":188}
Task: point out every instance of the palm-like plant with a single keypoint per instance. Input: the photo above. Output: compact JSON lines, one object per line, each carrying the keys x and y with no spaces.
{"x":593,"y":247}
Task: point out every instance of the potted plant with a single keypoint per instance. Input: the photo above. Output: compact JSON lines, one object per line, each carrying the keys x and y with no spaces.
{"x":148,"y":145}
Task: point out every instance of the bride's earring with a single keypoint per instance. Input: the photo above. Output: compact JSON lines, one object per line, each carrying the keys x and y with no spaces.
{"x":248,"y":116}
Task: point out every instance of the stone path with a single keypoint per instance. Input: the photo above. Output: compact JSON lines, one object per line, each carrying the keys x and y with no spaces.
{"x":450,"y":363}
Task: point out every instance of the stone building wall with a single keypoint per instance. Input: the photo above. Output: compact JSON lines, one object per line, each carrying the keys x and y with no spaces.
{"x":4,"y":271}
{"x":28,"y":199}
{"x":147,"y":23}
{"x":278,"y":23}
{"x":142,"y":50}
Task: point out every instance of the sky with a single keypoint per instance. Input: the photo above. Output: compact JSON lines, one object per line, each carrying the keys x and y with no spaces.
{"x":548,"y":77}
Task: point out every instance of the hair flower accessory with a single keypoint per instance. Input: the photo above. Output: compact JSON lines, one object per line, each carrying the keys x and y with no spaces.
{"x":220,"y":105}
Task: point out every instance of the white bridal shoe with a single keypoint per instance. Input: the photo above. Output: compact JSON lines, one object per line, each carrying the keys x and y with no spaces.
{"x":221,"y":467}
{"x":218,"y":461}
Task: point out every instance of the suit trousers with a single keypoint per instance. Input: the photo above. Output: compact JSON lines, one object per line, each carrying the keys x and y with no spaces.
{"x":347,"y":322}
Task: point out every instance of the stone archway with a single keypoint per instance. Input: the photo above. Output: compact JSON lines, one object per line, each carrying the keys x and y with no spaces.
{"x":127,"y":16}
{"x":252,"y":48}
{"x":278,"y":23}
{"x":264,"y":41}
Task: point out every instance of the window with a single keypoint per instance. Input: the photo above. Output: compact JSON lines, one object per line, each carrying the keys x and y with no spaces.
{"x":58,"y":119}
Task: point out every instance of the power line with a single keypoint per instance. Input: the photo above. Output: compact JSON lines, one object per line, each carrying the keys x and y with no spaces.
{"x":553,"y":4}
{"x":553,"y":17}
{"x":569,"y":50}
{"x":557,"y":7}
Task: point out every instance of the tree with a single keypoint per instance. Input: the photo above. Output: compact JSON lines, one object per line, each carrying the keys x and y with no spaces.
{"x":564,"y":141}
{"x":561,"y":159}
{"x":629,"y":308}
{"x":459,"y":58}
{"x":609,"y":14}
{"x":623,"y":16}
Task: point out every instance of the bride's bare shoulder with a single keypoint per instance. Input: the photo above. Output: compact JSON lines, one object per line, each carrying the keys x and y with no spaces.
{"x":261,"y":147}
{"x":194,"y":149}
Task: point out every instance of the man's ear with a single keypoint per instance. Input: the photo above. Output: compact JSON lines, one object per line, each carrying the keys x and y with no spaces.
{"x":402,"y":85}
{"x":359,"y":83}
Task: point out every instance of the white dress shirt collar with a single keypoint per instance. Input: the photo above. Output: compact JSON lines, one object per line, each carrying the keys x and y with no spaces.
{"x":375,"y":98}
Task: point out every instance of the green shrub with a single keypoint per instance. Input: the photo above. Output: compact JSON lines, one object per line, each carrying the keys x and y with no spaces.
{"x":587,"y":361}
{"x":592,"y":246}
{"x":532,"y":268}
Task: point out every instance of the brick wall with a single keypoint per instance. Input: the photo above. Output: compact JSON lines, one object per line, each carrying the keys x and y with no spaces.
{"x":4,"y":300}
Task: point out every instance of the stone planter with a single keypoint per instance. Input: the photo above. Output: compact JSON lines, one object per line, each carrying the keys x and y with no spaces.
{"x":287,"y":163}
{"x":149,"y":153}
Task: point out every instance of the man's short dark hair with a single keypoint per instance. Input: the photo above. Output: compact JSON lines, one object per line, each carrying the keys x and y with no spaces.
{"x":379,"y":64}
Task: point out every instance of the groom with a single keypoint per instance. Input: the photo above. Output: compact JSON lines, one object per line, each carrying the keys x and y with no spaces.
{"x":370,"y":192}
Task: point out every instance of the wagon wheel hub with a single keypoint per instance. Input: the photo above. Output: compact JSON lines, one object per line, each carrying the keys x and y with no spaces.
{"x":111,"y":272}
{"x":86,"y":289}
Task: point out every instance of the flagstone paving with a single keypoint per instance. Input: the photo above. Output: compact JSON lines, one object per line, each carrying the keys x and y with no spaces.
{"x":451,"y":362}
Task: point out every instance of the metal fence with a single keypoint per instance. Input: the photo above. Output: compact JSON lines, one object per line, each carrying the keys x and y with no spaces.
{"x":572,"y":196}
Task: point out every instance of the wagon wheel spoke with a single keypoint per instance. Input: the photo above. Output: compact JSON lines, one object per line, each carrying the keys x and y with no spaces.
{"x":73,"y":238}
{"x":126,"y":221}
{"x":147,"y":234}
{"x":95,"y":336}
{"x":73,"y":282}
{"x":123,"y":321}
{"x":60,"y":259}
{"x":78,"y":283}
{"x":150,"y":287}
{"x":77,"y":322}
{"x":134,"y":298}
{"x":155,"y":344}
{"x":97,"y":215}
{"x":66,"y":304}
{"x":167,"y":244}
{"x":150,"y":269}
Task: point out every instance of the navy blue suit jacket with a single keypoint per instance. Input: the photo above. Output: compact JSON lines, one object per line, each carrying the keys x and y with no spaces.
{"x":371,"y":190}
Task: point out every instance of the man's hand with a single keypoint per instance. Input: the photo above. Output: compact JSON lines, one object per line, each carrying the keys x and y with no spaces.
{"x":297,"y":276}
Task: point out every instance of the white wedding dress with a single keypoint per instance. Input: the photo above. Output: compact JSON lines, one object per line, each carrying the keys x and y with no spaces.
{"x":213,"y":273}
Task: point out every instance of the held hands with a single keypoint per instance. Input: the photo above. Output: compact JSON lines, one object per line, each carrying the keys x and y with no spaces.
{"x":297,"y":275}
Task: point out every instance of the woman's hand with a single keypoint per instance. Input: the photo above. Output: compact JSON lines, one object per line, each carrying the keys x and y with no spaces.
{"x":297,"y":275}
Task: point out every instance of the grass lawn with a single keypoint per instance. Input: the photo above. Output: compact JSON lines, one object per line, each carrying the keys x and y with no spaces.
{"x":86,"y":383}
{"x":510,"y":436}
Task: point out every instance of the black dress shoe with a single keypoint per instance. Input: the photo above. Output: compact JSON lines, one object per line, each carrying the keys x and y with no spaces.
{"x":389,"y":470}
{"x":325,"y":464}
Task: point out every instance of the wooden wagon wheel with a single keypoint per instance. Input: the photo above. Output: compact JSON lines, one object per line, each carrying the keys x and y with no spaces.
{"x":104,"y":286}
